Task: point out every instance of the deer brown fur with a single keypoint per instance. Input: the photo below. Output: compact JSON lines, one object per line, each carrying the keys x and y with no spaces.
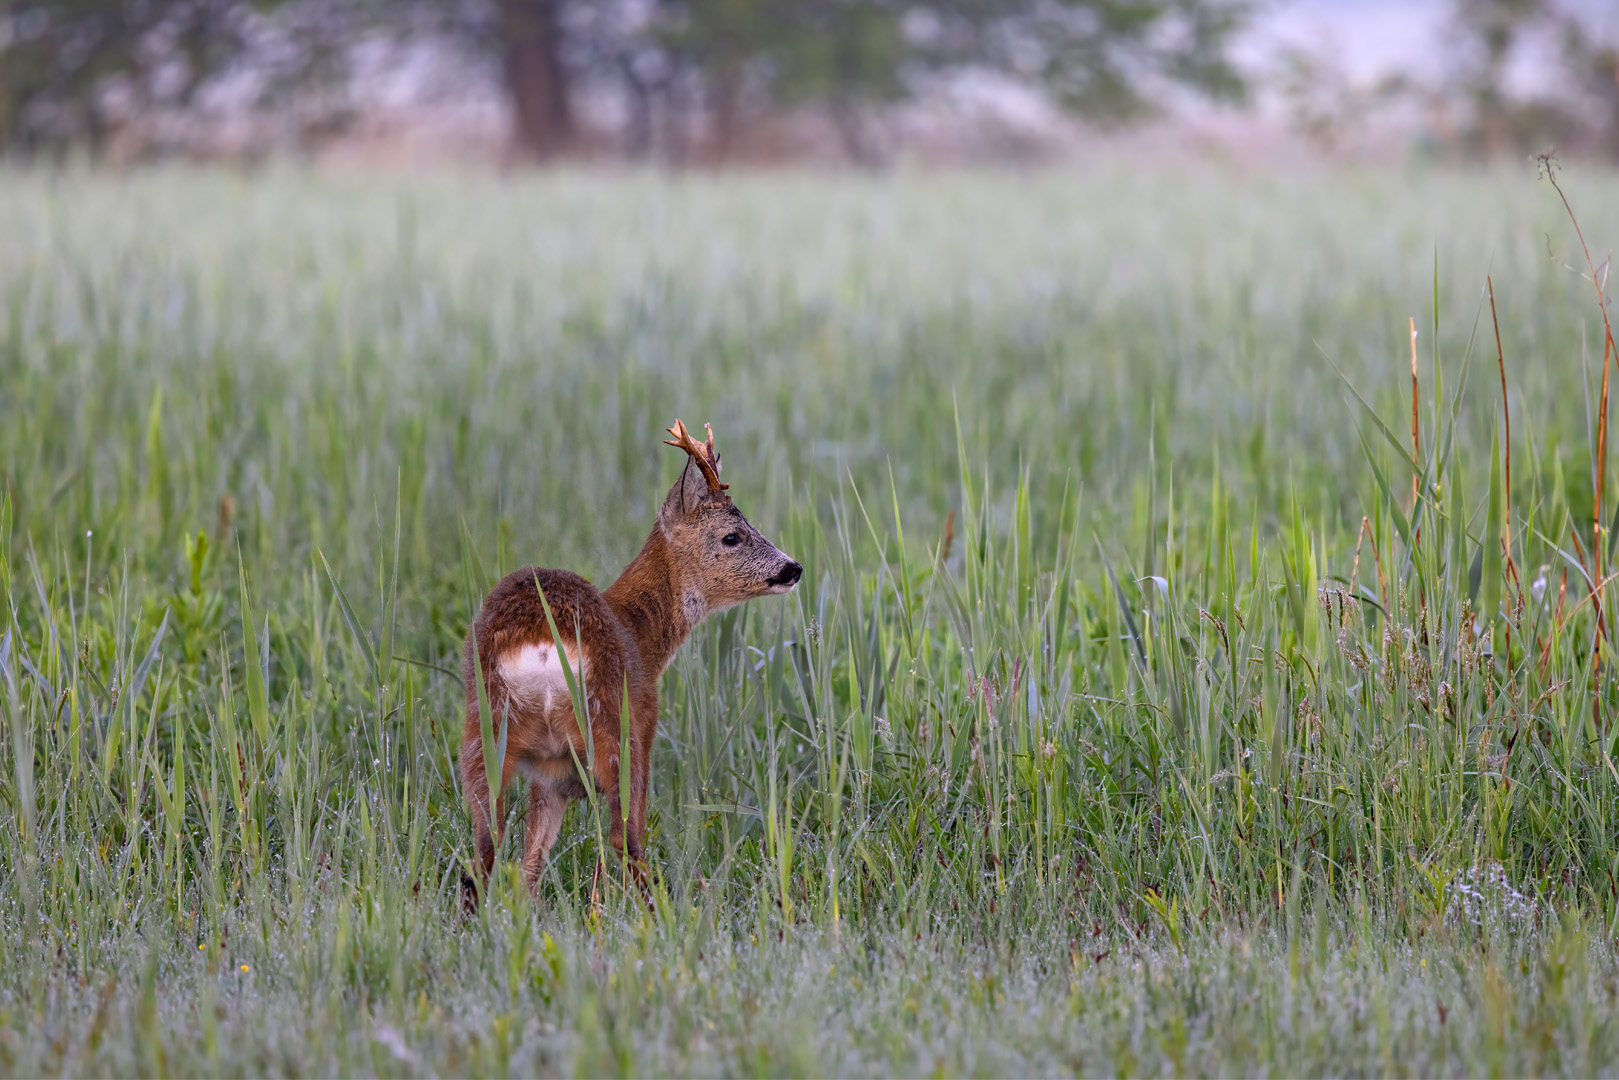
{"x":701,"y":556}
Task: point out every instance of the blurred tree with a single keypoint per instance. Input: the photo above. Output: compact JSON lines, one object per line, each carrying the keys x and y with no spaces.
{"x":60,"y":58}
{"x":1324,"y":104}
{"x":1486,"y":31}
{"x":85,"y":72}
{"x":837,"y":54}
{"x":73,"y":71}
{"x":1108,"y":60}
{"x":1594,"y":66}
{"x":539,"y":52}
{"x":725,"y":42}
{"x":847,"y":57}
{"x":1575,"y":109}
{"x":538,"y":82}
{"x":617,"y":42}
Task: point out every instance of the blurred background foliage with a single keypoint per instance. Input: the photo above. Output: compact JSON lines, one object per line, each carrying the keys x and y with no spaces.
{"x":74,"y":69}
{"x":711,"y":81}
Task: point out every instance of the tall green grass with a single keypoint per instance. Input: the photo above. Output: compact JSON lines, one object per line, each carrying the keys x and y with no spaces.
{"x":1132,"y":717}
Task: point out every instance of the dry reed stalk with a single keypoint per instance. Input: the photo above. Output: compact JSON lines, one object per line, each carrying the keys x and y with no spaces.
{"x":1416,"y":442}
{"x":1377,"y":562}
{"x":1506,"y":412}
{"x":1548,"y":167}
{"x":1506,"y":447}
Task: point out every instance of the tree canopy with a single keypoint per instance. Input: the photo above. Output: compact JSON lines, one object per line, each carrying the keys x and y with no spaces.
{"x":84,"y":72}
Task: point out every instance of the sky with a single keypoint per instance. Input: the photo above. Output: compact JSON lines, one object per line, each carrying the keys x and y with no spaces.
{"x":1370,"y":38}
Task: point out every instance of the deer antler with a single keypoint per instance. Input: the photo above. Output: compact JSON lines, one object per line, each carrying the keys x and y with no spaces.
{"x":702,"y":454}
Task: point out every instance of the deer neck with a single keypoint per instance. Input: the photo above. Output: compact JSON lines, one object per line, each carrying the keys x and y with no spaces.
{"x":649,"y":601}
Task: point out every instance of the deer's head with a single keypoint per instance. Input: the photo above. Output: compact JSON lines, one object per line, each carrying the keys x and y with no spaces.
{"x":718,"y":558}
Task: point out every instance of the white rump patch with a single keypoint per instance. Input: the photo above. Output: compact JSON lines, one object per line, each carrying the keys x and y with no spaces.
{"x":534,"y":678}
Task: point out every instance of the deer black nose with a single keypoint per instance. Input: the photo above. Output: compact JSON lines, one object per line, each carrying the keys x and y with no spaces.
{"x":788,"y":575}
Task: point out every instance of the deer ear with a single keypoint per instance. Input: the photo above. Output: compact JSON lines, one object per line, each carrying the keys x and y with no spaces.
{"x":690,"y":493}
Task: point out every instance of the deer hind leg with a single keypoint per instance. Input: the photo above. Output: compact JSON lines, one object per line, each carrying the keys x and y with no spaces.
{"x":545,"y":809}
{"x":475,"y":785}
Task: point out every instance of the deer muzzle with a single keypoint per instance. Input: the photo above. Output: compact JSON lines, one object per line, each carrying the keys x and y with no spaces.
{"x":786,"y":577}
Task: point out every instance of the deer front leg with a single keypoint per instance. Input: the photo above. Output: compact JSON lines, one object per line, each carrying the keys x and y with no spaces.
{"x":640,"y":776}
{"x":627,"y":838}
{"x":610,"y":772}
{"x":635,"y":836}
{"x":607,"y":769}
{"x":643,"y":721}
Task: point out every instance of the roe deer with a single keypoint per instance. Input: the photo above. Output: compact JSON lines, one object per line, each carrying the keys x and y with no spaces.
{"x":701,"y":556}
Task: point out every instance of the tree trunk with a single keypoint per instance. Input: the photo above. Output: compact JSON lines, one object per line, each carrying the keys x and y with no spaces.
{"x":542,"y":111}
{"x":726,"y":110}
{"x":858,"y":142}
{"x":638,"y":132}
{"x":676,"y":114}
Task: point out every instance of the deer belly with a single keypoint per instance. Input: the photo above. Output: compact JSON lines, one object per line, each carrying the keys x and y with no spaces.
{"x":561,"y":775}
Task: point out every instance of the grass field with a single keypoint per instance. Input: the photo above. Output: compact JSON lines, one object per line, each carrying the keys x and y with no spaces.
{"x":1100,"y":738}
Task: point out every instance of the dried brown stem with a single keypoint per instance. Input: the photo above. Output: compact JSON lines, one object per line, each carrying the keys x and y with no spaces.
{"x":1377,"y":562}
{"x":1506,"y":412}
{"x":1506,"y":443}
{"x":1416,"y":442}
{"x":1548,"y":167}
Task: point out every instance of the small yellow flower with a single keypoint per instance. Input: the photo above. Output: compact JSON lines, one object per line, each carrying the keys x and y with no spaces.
{"x":246,"y":969}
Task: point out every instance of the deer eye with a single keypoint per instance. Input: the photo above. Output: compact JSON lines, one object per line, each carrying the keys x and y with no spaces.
{"x":731,"y":540}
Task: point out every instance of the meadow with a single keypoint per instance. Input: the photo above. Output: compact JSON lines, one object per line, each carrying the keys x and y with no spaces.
{"x":1149,"y":706}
